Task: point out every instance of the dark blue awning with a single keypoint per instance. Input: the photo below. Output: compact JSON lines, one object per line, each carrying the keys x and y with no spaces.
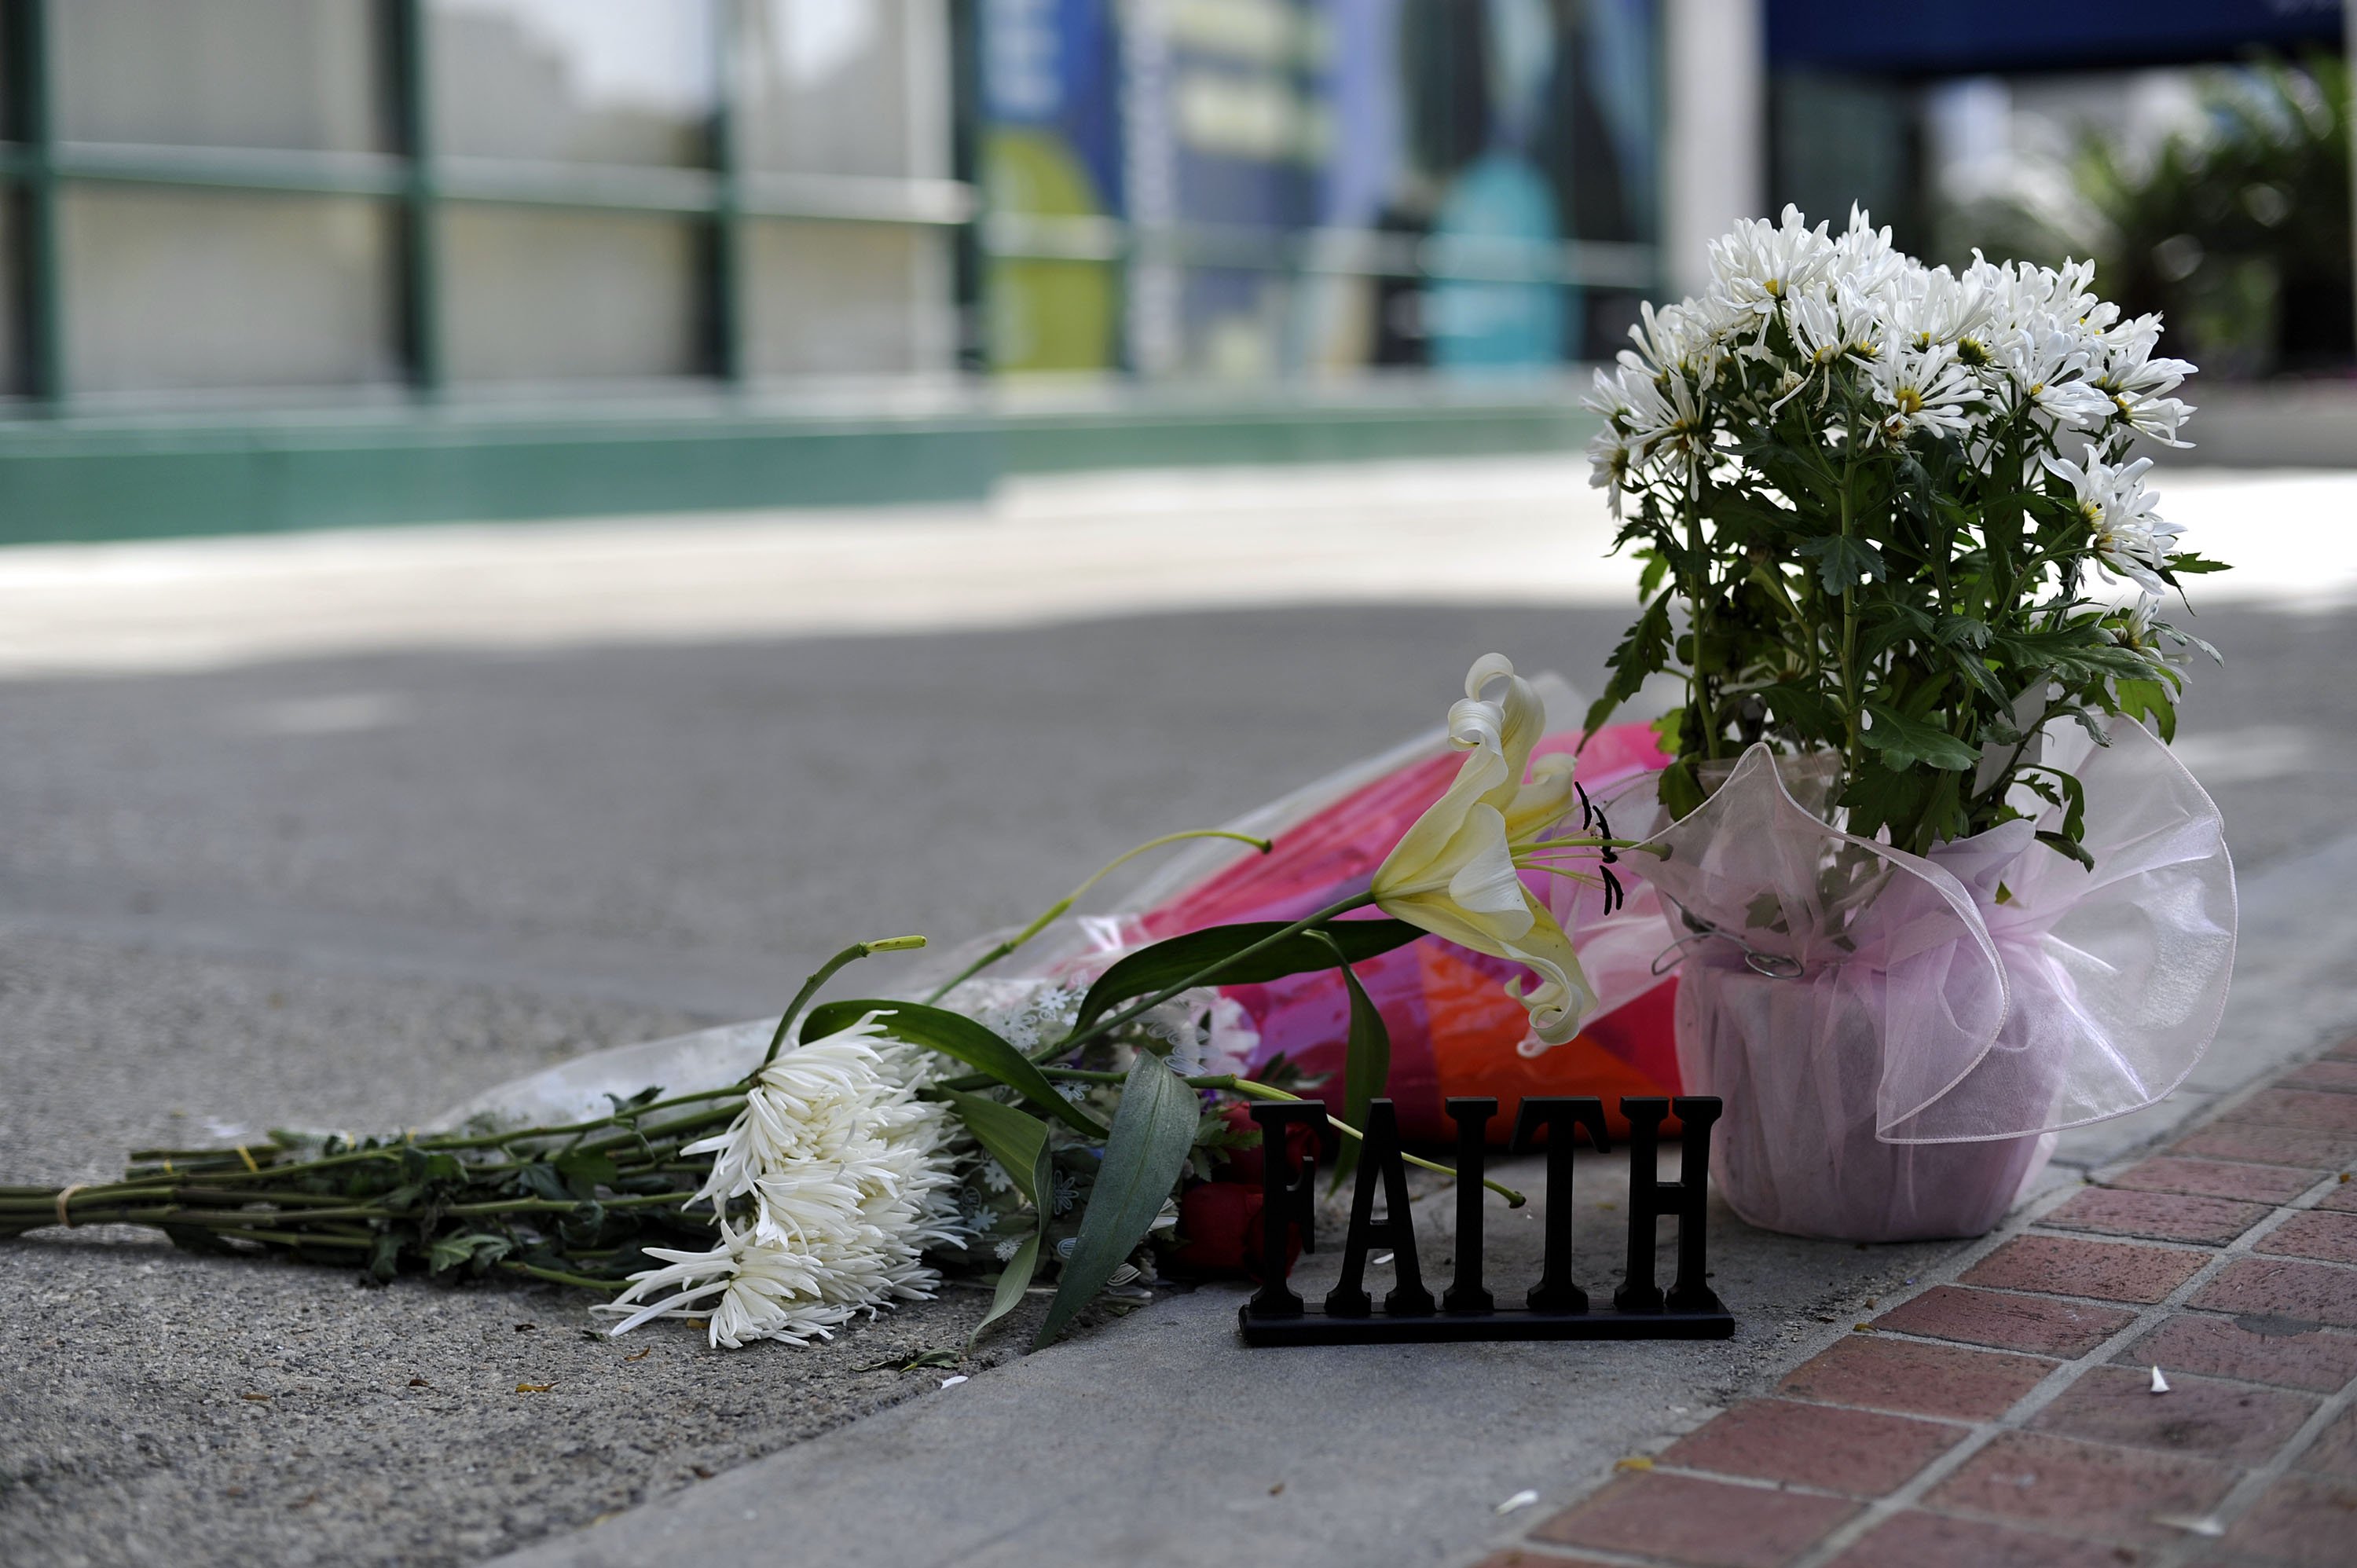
{"x":1942,"y":37}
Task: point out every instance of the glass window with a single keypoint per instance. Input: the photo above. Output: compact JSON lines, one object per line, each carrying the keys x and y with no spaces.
{"x":169,"y":288}
{"x":846,"y":87}
{"x":225,"y":73}
{"x":536,"y":296}
{"x":615,"y":82}
{"x":847,"y":299}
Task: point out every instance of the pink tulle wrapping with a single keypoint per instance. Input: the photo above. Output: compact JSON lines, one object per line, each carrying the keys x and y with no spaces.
{"x":1949,"y":1013}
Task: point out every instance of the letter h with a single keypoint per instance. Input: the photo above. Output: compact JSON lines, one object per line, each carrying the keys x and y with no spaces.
{"x":1651,"y":1200}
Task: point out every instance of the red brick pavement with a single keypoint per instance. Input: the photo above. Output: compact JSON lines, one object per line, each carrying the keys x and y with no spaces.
{"x":2005,"y":1418}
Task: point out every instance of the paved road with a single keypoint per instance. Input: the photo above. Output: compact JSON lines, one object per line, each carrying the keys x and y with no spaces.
{"x":360,"y":888}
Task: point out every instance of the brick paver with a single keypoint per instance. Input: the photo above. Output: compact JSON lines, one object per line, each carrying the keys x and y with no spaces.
{"x":1920,"y":1540}
{"x":1708,"y":1523}
{"x":2083,"y":1489}
{"x":2302,"y":1520}
{"x":2331,"y":1237}
{"x":2217,"y":1178}
{"x":2197,"y":1415}
{"x":2323,"y":1075}
{"x":2162,"y":1216}
{"x":2287,"y":1352}
{"x":2317,"y":1111}
{"x":1862,"y":1452}
{"x":2065,"y":1265}
{"x":2271,"y":1145}
{"x":2334,"y":1451}
{"x":2003,"y":1320}
{"x":1917,"y":1379}
{"x":2004,"y":1417}
{"x":2319,"y":1292}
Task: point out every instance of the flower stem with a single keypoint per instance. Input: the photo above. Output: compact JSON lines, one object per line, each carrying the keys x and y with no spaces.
{"x":825,"y":973}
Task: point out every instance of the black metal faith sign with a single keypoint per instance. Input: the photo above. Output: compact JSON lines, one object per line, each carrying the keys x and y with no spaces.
{"x":1555,"y":1307}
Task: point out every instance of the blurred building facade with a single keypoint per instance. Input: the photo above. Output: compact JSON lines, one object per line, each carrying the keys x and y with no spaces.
{"x":284,"y":263}
{"x":259,"y":201}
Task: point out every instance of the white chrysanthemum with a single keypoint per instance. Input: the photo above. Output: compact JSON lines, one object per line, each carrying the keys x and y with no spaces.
{"x":1828,"y":323}
{"x":1932,"y":305}
{"x":748,"y":1292}
{"x":1758,"y":264}
{"x":850,"y":1185}
{"x":2138,"y":384}
{"x":2048,"y":371}
{"x":1664,"y":416}
{"x":1865,"y":258}
{"x":2130,"y":540}
{"x":1920,"y":390}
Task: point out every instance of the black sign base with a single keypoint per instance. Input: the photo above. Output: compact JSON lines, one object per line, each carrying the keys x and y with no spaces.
{"x":1317,"y":1329}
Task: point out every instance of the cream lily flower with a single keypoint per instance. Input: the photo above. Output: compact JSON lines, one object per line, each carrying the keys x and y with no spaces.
{"x":1456,"y":873}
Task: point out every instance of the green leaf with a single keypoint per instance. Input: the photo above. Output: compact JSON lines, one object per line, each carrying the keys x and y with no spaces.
{"x":1017,"y":1141}
{"x":1962,"y":632}
{"x":1842,"y":562}
{"x":584,"y":1170}
{"x":2190,"y":563}
{"x":1878,"y":794}
{"x":1366,"y":1065}
{"x":2069,"y":846}
{"x":1013,"y":1280}
{"x":959,"y":1037}
{"x":1165,"y":963}
{"x":1642,"y":651}
{"x":477,"y":1248}
{"x":541,"y":1180}
{"x":1902,"y":740}
{"x":1680,"y":791}
{"x":1802,"y":710}
{"x":1151,"y":1135}
{"x":2140,"y":700}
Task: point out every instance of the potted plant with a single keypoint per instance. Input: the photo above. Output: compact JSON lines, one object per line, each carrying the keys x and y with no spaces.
{"x":1936,"y":889}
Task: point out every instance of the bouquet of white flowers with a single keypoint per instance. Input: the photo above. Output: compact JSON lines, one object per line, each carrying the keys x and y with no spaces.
{"x":1893,"y":533}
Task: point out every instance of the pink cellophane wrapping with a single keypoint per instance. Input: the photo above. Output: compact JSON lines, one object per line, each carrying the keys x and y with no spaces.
{"x":1898,"y":1037}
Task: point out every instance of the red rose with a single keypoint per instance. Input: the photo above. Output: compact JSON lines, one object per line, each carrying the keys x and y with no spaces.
{"x":1219,"y":1225}
{"x":1247,"y":1164}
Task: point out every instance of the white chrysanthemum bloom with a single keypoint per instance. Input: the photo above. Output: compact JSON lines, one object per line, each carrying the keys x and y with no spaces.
{"x":2048,"y":371}
{"x":850,"y":1183}
{"x":1684,"y":337}
{"x":1865,"y":258}
{"x":1921,"y":390}
{"x":2138,"y":384}
{"x":1932,"y":305}
{"x":763,"y":1293}
{"x":2135,"y":626}
{"x":1758,"y":264}
{"x":1664,"y":415}
{"x":1830,"y":322}
{"x":2131,"y":541}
